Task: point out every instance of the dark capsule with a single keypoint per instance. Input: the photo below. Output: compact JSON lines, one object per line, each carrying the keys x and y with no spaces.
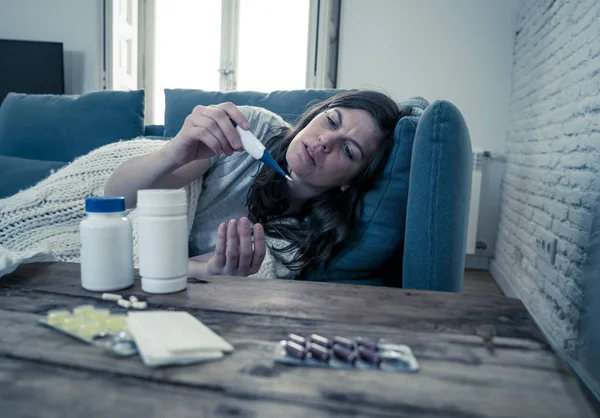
{"x":319,"y":352}
{"x":344,"y":342}
{"x":369,"y":356}
{"x":295,"y":350}
{"x":317,"y":339}
{"x":344,"y":354}
{"x":297,"y":339}
{"x":362,"y":342}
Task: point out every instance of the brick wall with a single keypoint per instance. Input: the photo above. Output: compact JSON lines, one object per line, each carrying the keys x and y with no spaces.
{"x":551,"y":180}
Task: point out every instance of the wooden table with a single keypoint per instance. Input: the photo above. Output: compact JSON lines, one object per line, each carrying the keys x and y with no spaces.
{"x":480,"y":356}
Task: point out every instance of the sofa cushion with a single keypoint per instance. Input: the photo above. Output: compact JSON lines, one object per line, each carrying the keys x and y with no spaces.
{"x":20,"y":173}
{"x":380,"y":232}
{"x":62,"y":127}
{"x":289,"y":104}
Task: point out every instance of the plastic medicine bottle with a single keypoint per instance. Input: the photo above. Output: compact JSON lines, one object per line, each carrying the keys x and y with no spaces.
{"x":162,"y":240}
{"x":106,"y":245}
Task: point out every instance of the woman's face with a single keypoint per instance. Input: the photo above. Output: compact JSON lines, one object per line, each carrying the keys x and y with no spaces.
{"x":333,"y":148}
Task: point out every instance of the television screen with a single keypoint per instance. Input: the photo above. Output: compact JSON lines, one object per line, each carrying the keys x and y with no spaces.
{"x":31,"y":67}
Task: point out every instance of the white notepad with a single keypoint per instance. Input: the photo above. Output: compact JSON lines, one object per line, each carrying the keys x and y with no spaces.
{"x":165,"y":337}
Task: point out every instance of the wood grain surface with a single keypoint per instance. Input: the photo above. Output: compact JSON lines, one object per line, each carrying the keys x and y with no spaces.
{"x":480,"y":355}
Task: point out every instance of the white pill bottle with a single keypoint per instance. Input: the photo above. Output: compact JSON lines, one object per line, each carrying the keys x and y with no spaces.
{"x":106,"y":253}
{"x":162,"y":240}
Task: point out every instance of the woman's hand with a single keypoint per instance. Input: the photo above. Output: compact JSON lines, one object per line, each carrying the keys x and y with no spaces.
{"x":234,"y":254}
{"x":205,"y":132}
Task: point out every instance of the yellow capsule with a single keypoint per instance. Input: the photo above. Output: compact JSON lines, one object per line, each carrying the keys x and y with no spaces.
{"x":87,"y":329}
{"x":70,"y":324}
{"x":99,"y":314}
{"x":57,"y":316}
{"x":83,"y":310}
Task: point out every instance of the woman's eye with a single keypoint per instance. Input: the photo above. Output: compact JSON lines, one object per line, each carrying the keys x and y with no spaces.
{"x":348,"y":152}
{"x":331,"y":122}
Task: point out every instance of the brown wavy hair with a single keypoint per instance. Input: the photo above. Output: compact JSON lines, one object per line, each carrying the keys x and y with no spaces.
{"x":316,"y":231}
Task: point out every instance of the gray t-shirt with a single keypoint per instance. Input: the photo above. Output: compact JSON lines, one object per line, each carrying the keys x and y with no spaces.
{"x":227,"y":181}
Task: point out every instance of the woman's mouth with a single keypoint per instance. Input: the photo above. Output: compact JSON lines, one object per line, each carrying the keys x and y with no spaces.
{"x":310,"y":154}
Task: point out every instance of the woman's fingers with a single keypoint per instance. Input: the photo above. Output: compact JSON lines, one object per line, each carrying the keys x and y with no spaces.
{"x":235,"y":253}
{"x":260,"y":248}
{"x":236,"y":114}
{"x":232,"y":248}
{"x":220,"y":249}
{"x":224,"y":125}
{"x":208,"y":130}
{"x":217,"y":120}
{"x":245,"y":246}
{"x":199,"y":133}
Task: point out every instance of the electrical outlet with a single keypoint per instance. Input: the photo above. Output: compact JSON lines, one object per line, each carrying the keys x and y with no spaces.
{"x":545,"y":244}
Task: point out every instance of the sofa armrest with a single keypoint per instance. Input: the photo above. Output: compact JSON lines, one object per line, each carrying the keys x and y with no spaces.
{"x":438,"y":201}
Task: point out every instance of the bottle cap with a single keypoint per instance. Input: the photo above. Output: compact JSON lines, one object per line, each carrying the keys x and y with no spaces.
{"x":162,"y":202}
{"x":105,"y":204}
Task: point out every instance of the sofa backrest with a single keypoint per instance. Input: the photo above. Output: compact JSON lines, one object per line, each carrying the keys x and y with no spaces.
{"x":289,"y":104}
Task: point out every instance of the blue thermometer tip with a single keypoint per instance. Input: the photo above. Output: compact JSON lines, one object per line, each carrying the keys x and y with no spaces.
{"x":268,"y":160}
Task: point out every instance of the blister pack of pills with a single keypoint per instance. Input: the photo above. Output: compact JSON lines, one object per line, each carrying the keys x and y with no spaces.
{"x":95,"y":326}
{"x":345,"y":353}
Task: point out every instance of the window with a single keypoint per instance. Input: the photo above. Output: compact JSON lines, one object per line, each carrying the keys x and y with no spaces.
{"x":273,"y":44}
{"x":260,"y":45}
{"x":256,"y":45}
{"x":187,"y":47}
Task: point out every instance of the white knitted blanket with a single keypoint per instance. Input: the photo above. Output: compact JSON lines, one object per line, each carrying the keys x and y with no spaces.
{"x":42,"y":223}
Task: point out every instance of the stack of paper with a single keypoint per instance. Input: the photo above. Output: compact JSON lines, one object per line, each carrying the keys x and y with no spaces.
{"x":165,"y":337}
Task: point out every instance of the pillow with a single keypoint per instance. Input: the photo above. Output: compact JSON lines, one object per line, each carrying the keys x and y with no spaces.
{"x":289,"y":104}
{"x":380,"y":230}
{"x":62,"y":127}
{"x":20,"y":173}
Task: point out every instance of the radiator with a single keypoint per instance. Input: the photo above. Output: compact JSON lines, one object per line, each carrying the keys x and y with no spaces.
{"x":484,"y":207}
{"x":474,"y":204}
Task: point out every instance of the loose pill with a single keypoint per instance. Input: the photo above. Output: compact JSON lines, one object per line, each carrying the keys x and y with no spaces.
{"x":139,"y":305}
{"x":111,"y":296}
{"x":295,"y":350}
{"x":344,"y":342}
{"x":369,"y":356}
{"x":322,"y":341}
{"x":124,"y":303}
{"x":362,"y":342}
{"x":297,"y":339}
{"x":344,"y":354}
{"x":133,"y":299}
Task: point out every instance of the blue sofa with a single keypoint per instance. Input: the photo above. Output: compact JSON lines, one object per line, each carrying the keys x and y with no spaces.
{"x":412,"y":229}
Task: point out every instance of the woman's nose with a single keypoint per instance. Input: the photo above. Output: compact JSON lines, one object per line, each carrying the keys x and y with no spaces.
{"x":327,"y":142}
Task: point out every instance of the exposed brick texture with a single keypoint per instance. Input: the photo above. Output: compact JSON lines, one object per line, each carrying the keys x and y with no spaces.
{"x":551,"y":180}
